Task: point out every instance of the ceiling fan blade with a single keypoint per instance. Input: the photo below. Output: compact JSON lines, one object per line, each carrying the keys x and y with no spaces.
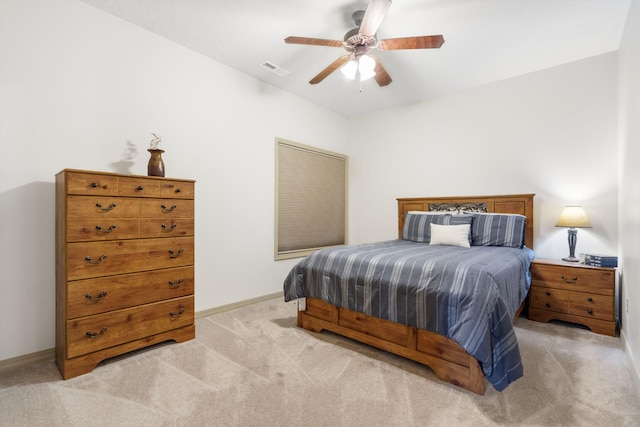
{"x":312,"y":41}
{"x":419,"y":42}
{"x":382,"y":77}
{"x":330,"y":69}
{"x":376,"y":11}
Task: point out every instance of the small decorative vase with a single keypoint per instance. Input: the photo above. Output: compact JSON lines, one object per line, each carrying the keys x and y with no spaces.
{"x":156,"y":165}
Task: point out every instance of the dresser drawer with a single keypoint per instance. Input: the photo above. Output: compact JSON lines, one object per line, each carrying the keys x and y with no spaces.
{"x":94,"y":259}
{"x":83,"y":230}
{"x":177,"y":189}
{"x":592,"y":280}
{"x":91,"y":184}
{"x":591,"y":305}
{"x":166,"y":227}
{"x":93,"y":333}
{"x":81,"y":207}
{"x":549,"y":299}
{"x":138,"y":187}
{"x":93,"y":296}
{"x":163,"y":208}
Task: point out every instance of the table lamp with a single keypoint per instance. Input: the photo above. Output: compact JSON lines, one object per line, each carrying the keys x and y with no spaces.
{"x":573,"y":217}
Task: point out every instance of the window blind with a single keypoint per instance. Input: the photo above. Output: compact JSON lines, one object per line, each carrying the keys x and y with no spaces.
{"x":311,"y":199}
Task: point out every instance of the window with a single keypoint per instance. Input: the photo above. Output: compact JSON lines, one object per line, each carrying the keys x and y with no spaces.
{"x":311,"y":199}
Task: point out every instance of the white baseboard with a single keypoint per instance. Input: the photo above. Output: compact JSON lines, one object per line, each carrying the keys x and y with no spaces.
{"x":635,"y":373}
{"x":42,"y":356}
{"x":49,"y":354}
{"x":223,"y":308}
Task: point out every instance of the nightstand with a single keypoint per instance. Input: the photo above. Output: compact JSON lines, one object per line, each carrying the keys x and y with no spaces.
{"x":573,"y":292}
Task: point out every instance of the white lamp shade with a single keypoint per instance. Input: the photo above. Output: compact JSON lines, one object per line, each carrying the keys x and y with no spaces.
{"x":349,"y":69}
{"x":365,"y":64}
{"x":573,"y":217}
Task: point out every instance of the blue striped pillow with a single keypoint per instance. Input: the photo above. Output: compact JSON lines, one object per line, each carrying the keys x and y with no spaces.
{"x":498,"y":230}
{"x":417,"y":226}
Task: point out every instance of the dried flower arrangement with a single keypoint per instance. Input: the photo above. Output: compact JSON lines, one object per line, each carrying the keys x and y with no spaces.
{"x":155,"y":142}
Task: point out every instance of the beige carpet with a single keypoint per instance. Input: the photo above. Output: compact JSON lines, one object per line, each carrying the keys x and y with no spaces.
{"x":253,"y":367}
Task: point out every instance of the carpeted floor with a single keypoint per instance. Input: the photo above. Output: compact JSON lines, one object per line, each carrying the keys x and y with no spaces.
{"x":253,"y":367}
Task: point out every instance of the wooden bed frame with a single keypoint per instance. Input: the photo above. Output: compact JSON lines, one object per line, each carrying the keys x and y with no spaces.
{"x":446,"y":358}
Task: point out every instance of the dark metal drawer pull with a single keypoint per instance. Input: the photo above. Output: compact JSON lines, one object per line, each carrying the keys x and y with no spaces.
{"x":590,"y":299}
{"x":178,"y":190}
{"x":98,"y":298}
{"x":590,"y":311}
{"x":175,"y":254}
{"x":548,"y":293}
{"x":108,"y":230}
{"x":140,"y":188}
{"x":568,"y":280}
{"x":166,"y":209}
{"x":548,"y":305}
{"x":97,"y":334}
{"x":90,"y":260}
{"x":176,"y":285}
{"x":108,"y":208}
{"x":177,"y":315}
{"x":166,"y":228}
{"x":93,"y":185}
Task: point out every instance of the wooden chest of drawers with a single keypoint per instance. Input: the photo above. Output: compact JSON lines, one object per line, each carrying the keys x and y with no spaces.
{"x":124,"y":265}
{"x":574,"y":293}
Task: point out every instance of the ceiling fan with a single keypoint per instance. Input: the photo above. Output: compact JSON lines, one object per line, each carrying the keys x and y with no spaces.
{"x":359,"y":41}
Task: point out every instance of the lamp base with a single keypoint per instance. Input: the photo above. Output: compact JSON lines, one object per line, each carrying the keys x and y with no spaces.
{"x":573,"y":238}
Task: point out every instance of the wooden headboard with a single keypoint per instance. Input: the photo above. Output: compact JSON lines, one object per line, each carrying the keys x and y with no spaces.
{"x":513,"y":204}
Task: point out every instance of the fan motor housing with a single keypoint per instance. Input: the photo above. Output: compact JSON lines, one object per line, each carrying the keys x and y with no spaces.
{"x":357,"y":17}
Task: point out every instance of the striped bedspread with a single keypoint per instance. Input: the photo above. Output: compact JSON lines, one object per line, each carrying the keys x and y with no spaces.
{"x":467,"y":294}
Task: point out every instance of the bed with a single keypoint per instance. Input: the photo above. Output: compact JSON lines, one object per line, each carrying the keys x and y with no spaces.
{"x":407,"y":296}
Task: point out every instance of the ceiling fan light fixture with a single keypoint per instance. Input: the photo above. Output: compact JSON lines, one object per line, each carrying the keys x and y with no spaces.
{"x":364,"y":64}
{"x":367,"y":66}
{"x":349,"y":69}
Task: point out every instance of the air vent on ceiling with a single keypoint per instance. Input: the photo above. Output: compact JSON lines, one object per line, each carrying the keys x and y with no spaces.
{"x":270,"y":66}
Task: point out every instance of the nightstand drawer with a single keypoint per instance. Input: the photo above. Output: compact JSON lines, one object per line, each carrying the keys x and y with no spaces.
{"x":585,"y":279}
{"x":591,"y":305}
{"x":550,"y":299}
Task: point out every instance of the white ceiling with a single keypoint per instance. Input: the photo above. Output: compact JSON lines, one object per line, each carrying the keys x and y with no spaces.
{"x":485,"y":41}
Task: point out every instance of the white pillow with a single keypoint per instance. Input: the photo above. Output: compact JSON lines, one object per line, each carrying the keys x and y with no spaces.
{"x":450,"y":235}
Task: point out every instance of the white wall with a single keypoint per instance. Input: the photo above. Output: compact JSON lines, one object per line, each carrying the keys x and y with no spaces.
{"x":79,"y":87}
{"x":630,"y":184}
{"x":552,"y":133}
